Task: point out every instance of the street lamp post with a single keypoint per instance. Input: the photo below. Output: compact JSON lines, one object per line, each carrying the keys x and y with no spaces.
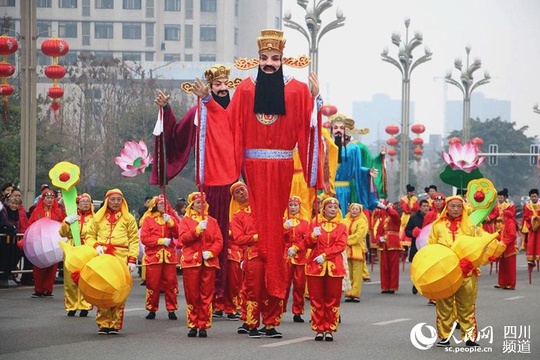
{"x":467,"y":86}
{"x":314,"y":33}
{"x":406,"y":65}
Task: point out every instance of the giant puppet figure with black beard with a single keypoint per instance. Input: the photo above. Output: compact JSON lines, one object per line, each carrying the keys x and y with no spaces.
{"x":356,"y":168}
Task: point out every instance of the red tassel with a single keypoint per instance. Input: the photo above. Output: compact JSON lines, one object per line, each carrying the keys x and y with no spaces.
{"x":492,"y":258}
{"x":109,"y":249}
{"x":466,"y":267}
{"x":75,"y":276}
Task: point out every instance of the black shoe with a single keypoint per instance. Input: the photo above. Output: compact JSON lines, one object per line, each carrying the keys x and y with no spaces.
{"x":172,"y":316}
{"x":47,"y":295}
{"x":273,"y":333}
{"x":254,"y":333}
{"x":217,"y":314}
{"x":143,"y":283}
{"x":319,"y":336}
{"x":243,"y":329}
{"x":233,"y":317}
{"x":471,"y":343}
{"x":113,"y":331}
{"x":355,"y":300}
{"x":328,"y":337}
{"x":414,"y":290}
{"x":71,"y":313}
{"x":202,"y":333}
{"x":458,"y":327}
{"x":298,"y":319}
{"x":367,"y":280}
{"x":348,"y":299}
{"x":103,"y":331}
{"x":262,"y":330}
{"x":497,"y":287}
{"x":151,"y":315}
{"x":443,"y":343}
{"x":36,"y":295}
{"x":192,"y":332}
{"x":83,"y":313}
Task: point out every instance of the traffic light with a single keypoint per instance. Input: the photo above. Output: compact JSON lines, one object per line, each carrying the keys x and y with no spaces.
{"x":493,"y":149}
{"x":534,"y":155}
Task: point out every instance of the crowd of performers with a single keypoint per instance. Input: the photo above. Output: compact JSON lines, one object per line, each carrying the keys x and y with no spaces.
{"x":245,"y":246}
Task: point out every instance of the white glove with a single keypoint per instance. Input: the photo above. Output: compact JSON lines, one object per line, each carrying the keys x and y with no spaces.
{"x":203,"y":224}
{"x":206,"y":255}
{"x":288,"y":224}
{"x":167,"y":241}
{"x":381,"y":239}
{"x":71,"y":219}
{"x":291,"y":252}
{"x":166,"y":217}
{"x":100,"y":250}
{"x":132,"y":267}
{"x":381,"y":206}
{"x":317,"y":231}
{"x":319,"y":259}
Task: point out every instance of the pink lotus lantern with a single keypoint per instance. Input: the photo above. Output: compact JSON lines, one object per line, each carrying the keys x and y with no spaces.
{"x":41,"y":243}
{"x":421,"y":240}
{"x":134,"y":158}
{"x":463,"y":157}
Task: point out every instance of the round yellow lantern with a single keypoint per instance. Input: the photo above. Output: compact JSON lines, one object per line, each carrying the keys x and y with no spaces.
{"x":105,"y":281}
{"x":494,"y":250}
{"x":76,"y":257}
{"x":472,"y":248}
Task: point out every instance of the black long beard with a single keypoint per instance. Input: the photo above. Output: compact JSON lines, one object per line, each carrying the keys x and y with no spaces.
{"x":222,"y":100}
{"x":270,"y":93}
{"x":339,"y":144}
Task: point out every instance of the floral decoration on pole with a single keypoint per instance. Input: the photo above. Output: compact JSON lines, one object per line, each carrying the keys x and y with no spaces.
{"x":463,"y":162}
{"x":134,"y":158}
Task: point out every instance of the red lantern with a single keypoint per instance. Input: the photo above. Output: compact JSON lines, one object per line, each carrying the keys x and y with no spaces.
{"x":328,"y":110}
{"x":8,"y":45}
{"x":418,"y":151}
{"x":418,"y":129}
{"x":392,"y":129}
{"x":55,"y":72}
{"x":392,"y":141}
{"x":55,"y":92}
{"x":55,"y":47}
{"x":418,"y":141}
{"x":392,"y":152}
{"x":6,"y":69}
{"x":6,"y":90}
{"x":454,"y":140}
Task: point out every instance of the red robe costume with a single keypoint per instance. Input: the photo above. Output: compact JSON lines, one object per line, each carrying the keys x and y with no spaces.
{"x":259,"y":303}
{"x":387,"y":233}
{"x":531,"y":217}
{"x":160,"y":261}
{"x":44,"y":278}
{"x":264,"y":145}
{"x":325,"y":280}
{"x":507,"y":262}
{"x":294,"y":237}
{"x":489,"y":223}
{"x":408,"y":207}
{"x":199,"y":274}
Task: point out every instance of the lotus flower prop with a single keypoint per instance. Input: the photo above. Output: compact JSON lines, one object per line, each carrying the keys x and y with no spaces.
{"x":41,"y":243}
{"x":421,"y":240}
{"x":134,"y":158}
{"x":463,"y":157}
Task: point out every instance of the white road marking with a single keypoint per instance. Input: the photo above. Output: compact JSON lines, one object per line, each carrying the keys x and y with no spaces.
{"x":133,"y":309}
{"x":514,"y":298}
{"x":287,"y":342}
{"x":391,"y":321}
{"x":371,"y":282}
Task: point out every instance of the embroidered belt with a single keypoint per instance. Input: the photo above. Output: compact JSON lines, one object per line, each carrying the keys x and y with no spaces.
{"x":391,"y":233}
{"x":342,"y":183}
{"x":268,"y":154}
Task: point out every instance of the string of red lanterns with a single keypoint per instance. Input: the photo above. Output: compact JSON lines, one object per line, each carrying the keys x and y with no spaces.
{"x":418,"y":141}
{"x":55,"y":47}
{"x":8,"y":46}
{"x":392,"y":130}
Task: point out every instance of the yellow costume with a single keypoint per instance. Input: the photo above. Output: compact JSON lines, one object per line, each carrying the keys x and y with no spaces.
{"x":357,"y":229}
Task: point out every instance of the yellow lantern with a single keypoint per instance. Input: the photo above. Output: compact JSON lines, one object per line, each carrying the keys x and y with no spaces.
{"x":472,"y":248}
{"x":76,"y":257}
{"x":105,"y":281}
{"x":494,"y":250}
{"x":435,"y":272}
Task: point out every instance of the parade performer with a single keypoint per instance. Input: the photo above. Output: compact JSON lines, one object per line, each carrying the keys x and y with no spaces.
{"x":296,"y":226}
{"x":531,"y":217}
{"x":386,"y":233}
{"x":159,"y":231}
{"x":270,"y":115}
{"x":438,"y":201}
{"x":47,"y":206}
{"x":357,"y":225}
{"x":413,"y":228}
{"x":452,"y":222}
{"x":114,"y":231}
{"x":200,"y":242}
{"x":325,"y":269}
{"x":259,"y":302}
{"x":507,"y":261}
{"x":409,"y":206}
{"x":73,"y":299}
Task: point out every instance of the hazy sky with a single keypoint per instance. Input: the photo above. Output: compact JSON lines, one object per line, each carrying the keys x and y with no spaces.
{"x":504,"y":34}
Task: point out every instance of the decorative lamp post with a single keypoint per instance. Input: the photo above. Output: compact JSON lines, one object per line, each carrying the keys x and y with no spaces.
{"x":406,"y":65}
{"x":55,"y":47}
{"x":467,"y":86}
{"x":8,"y":46}
{"x":314,"y":33}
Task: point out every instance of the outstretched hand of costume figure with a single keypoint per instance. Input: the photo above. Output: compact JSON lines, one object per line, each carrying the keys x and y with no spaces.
{"x":200,"y":89}
{"x":314,"y":84}
{"x":161,"y":98}
{"x":373,"y":172}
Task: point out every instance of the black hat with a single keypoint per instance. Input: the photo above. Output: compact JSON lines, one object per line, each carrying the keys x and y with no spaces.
{"x":533,"y":191}
{"x":503,"y":192}
{"x":409,"y":188}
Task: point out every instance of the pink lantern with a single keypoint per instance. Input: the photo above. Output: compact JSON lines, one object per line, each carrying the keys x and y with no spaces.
{"x":421,"y":240}
{"x":41,"y":243}
{"x":328,"y":110}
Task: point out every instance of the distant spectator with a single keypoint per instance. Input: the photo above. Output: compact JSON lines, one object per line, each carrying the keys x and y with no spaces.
{"x":143,"y":208}
{"x":6,"y":190}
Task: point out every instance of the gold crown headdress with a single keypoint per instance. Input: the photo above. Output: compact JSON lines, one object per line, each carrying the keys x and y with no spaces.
{"x":271,"y":40}
{"x":348,"y":122}
{"x":217,"y":72}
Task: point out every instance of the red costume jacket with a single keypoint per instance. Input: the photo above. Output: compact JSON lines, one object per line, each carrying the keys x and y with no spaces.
{"x":295,"y":237}
{"x":243,"y":232}
{"x":193,"y":244}
{"x":153,"y":231}
{"x":332,"y":242}
{"x":388,"y":227}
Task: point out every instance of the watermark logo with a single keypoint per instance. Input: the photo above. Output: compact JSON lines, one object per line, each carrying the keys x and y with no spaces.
{"x":421,"y":341}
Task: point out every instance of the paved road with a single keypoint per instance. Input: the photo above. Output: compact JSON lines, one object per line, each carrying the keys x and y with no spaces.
{"x":377,"y":328}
